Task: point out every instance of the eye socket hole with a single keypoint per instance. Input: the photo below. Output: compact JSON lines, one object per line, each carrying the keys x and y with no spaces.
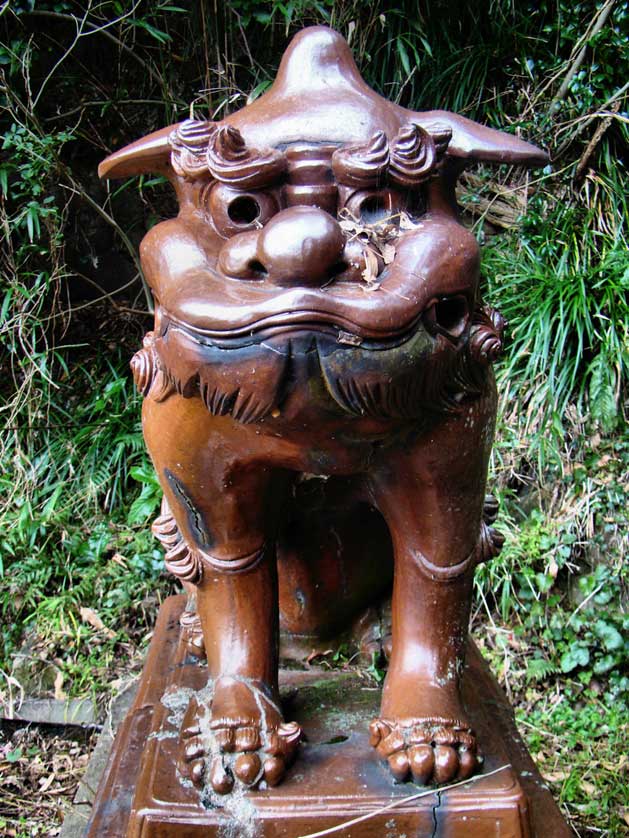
{"x":416,"y":204}
{"x":374,"y":208}
{"x":244,"y":210}
{"x":451,"y":314}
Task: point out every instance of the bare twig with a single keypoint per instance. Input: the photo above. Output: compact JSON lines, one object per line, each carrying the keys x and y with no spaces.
{"x":77,"y":190}
{"x":79,"y":31}
{"x":593,"y":30}
{"x":399,"y":802}
{"x":596,"y":138}
{"x":102,"y":30}
{"x":583,"y":121}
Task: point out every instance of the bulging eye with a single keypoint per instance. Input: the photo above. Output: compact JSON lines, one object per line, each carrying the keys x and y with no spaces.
{"x":234,"y":211}
{"x":372,"y":206}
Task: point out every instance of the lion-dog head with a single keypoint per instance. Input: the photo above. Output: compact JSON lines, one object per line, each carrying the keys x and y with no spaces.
{"x":318,"y":222}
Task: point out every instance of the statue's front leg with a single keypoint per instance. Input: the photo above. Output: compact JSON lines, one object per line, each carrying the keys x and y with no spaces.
{"x":432,"y":497}
{"x":222,"y":539}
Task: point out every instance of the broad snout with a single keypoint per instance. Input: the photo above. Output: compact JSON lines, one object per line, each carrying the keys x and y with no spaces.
{"x":300,"y":246}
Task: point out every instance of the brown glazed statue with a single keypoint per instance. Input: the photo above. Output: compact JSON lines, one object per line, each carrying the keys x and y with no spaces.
{"x":317,"y":312}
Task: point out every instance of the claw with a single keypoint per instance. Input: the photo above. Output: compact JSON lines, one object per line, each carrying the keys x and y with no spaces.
{"x":290,"y":732}
{"x":283,"y":741}
{"x":194,"y":748}
{"x":246,"y":739}
{"x":392,"y":743}
{"x":377,"y":731}
{"x":225,"y":738}
{"x":190,"y":725}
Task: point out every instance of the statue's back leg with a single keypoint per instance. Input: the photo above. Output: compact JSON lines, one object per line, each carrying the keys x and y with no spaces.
{"x":335,"y":563}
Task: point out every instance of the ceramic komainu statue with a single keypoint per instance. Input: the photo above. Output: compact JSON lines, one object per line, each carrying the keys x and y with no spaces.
{"x":317,"y":312}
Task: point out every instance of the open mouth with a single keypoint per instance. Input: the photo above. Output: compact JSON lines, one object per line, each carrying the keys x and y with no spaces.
{"x":343,"y":329}
{"x":447,"y":316}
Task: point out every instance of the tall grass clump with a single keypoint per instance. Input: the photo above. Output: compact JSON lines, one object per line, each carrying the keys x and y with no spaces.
{"x":562,"y":283}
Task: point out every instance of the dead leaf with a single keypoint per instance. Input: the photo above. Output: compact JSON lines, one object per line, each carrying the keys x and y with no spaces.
{"x":349,"y":338}
{"x":405,"y":222}
{"x":556,"y":776}
{"x":348,"y":226}
{"x":588,"y":788}
{"x":90,"y":616}
{"x":44,"y":784}
{"x":59,"y":693}
{"x":119,"y":559}
{"x":388,"y":253}
{"x":370,"y":274}
{"x":318,"y":654}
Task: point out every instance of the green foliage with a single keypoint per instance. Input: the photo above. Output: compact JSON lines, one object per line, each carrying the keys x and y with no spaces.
{"x":566,"y":296}
{"x":592,"y":788}
{"x":577,"y":627}
{"x":72,"y":536}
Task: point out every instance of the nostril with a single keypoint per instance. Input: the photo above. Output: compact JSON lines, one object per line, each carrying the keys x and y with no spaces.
{"x":256,"y":267}
{"x":337,"y":268}
{"x":448,"y":314}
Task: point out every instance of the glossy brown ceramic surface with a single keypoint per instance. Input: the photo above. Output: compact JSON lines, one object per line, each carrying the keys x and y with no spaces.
{"x":338,"y":777}
{"x":318,"y":314}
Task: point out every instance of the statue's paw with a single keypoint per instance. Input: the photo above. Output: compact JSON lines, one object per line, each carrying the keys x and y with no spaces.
{"x":249,"y":746}
{"x":431,"y":751}
{"x":251,"y":756}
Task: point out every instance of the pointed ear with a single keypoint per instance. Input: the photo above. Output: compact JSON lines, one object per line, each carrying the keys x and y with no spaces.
{"x":151,"y":154}
{"x":471,"y":141}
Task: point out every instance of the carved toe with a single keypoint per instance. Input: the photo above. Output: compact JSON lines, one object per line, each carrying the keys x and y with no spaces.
{"x":247,"y":768}
{"x":431,"y":750}
{"x":446,"y":763}
{"x":273,"y":770}
{"x":399,"y":765}
{"x":422,"y":762}
{"x":197,"y":772}
{"x":468,"y":763}
{"x":221,"y":780}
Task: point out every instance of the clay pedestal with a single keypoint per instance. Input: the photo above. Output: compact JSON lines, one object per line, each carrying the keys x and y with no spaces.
{"x":337,"y":778}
